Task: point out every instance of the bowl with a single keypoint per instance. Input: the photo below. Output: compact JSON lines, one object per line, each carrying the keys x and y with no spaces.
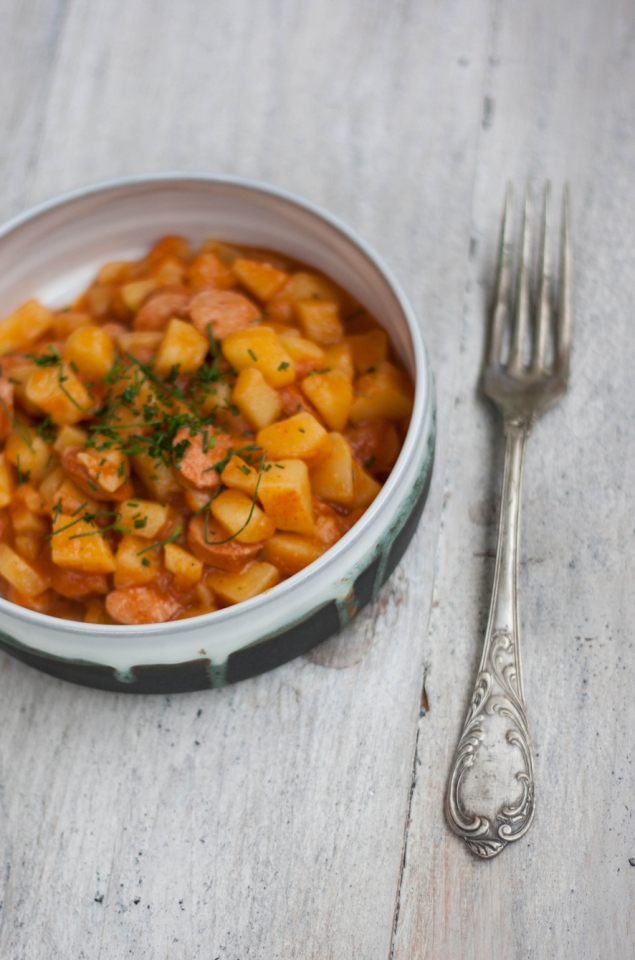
{"x":52,"y":252}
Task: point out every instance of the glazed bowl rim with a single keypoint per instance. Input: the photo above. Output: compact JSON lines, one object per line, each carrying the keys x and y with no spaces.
{"x":421,"y":414}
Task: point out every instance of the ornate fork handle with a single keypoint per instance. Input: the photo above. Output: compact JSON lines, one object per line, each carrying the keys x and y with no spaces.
{"x":490,"y":796}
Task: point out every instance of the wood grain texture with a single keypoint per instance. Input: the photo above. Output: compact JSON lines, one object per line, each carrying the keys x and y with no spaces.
{"x":557,"y":105}
{"x":266,"y":820}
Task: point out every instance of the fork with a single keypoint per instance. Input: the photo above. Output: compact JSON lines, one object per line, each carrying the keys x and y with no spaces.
{"x":490,"y":795}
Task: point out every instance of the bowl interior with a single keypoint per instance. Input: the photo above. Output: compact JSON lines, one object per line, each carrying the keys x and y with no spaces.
{"x":55,"y":253}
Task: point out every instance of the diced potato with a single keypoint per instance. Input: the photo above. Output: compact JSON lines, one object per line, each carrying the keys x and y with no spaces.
{"x":243,"y":518}
{"x":6,"y":407}
{"x":339,"y":358}
{"x":59,"y":392}
{"x":140,"y":344}
{"x":365,"y":488}
{"x":169,"y":271}
{"x":171,"y":246}
{"x":109,"y":468}
{"x":144,"y":604}
{"x":186,"y":569}
{"x":261,"y":279}
{"x":259,"y":403}
{"x":196,"y":500}
{"x":77,"y":544}
{"x":72,"y":501}
{"x":96,"y":612}
{"x":209,"y":270}
{"x":51,"y":484}
{"x":70,"y":436}
{"x":259,"y":347}
{"x":320,"y":320}
{"x":91,"y":350}
{"x":24,"y":326}
{"x":28,"y":453}
{"x":332,"y":396}
{"x":368,"y":349}
{"x":133,"y":294}
{"x":300,"y":437}
{"x":384,"y":393}
{"x":29,"y":545}
{"x":135,"y":563}
{"x":66,"y":322}
{"x":238,"y":475}
{"x":145,"y":518}
{"x":25,"y":520}
{"x":306,"y":354}
{"x":291,"y":552}
{"x":182,"y":347}
{"x":332,"y":479}
{"x":116,"y":271}
{"x":285,"y":493}
{"x":216,"y":399}
{"x":7,"y":482}
{"x":20,"y":573}
{"x":156,"y":476}
{"x":19,"y":378}
{"x":233,"y":587}
{"x":99,"y":299}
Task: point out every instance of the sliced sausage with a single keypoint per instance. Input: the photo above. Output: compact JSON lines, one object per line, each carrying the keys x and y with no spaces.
{"x":160,"y":307}
{"x":225,"y":310}
{"x":81,"y":477}
{"x":195,"y":470}
{"x":141,"y":605}
{"x":202,"y":536}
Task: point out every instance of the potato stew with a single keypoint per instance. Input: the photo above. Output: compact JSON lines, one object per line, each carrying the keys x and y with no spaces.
{"x":193,"y":429}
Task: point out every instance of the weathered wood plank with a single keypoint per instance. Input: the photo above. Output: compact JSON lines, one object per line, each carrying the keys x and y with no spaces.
{"x":265,"y":820}
{"x":560,"y":104}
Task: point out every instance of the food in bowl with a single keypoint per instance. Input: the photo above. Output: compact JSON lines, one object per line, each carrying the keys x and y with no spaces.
{"x":193,"y":429}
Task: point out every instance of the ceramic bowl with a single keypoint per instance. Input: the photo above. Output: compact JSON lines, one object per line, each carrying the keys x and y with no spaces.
{"x":52,"y":252}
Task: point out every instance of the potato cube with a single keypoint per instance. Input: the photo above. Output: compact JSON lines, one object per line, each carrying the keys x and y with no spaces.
{"x":186,"y":569}
{"x":310,"y":286}
{"x":7,"y":482}
{"x":261,"y":279}
{"x":365,"y":488}
{"x":135,"y":562}
{"x":242,"y":517}
{"x":144,"y":518}
{"x":98,"y":299}
{"x":300,"y":437}
{"x":24,"y":519}
{"x":320,"y":320}
{"x":58,"y":391}
{"x":96,"y":612}
{"x":28,"y":453}
{"x":51,"y":484}
{"x":169,"y":271}
{"x":209,"y":270}
{"x":332,"y":479}
{"x":384,"y":393}
{"x":171,"y":246}
{"x":116,"y":271}
{"x":68,"y":321}
{"x":72,"y":501}
{"x":24,"y":326}
{"x":285,"y":493}
{"x":109,"y":468}
{"x":259,"y":347}
{"x":306,"y":354}
{"x":156,"y":476}
{"x":234,"y":587}
{"x":339,"y":358}
{"x":20,"y":573}
{"x":216,"y":399}
{"x":29,"y":545}
{"x":77,"y":544}
{"x":238,"y":475}
{"x":291,"y":552}
{"x":183,"y":348}
{"x":140,"y":344}
{"x":19,"y":378}
{"x":133,"y":294}
{"x":259,"y":403}
{"x":368,"y":349}
{"x":6,"y":407}
{"x":332,"y":396}
{"x":70,"y":436}
{"x":91,"y":350}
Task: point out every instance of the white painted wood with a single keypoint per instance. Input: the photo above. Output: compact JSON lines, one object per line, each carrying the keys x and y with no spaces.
{"x":266,"y":820}
{"x":560,"y":87}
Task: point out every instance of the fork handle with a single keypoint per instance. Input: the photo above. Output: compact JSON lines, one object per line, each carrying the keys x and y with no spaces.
{"x":490,"y":795}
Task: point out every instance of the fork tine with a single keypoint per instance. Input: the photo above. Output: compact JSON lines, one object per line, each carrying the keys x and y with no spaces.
{"x":543,"y":319}
{"x":521,"y":323}
{"x":565,"y":298}
{"x":503,"y":286}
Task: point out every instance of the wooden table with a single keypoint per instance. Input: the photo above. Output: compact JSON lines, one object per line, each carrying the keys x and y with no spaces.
{"x":300,"y":814}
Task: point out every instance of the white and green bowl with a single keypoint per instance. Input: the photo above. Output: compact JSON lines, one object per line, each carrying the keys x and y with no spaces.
{"x":52,"y":252}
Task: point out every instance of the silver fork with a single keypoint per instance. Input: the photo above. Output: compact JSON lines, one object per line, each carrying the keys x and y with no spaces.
{"x":490,"y":795}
